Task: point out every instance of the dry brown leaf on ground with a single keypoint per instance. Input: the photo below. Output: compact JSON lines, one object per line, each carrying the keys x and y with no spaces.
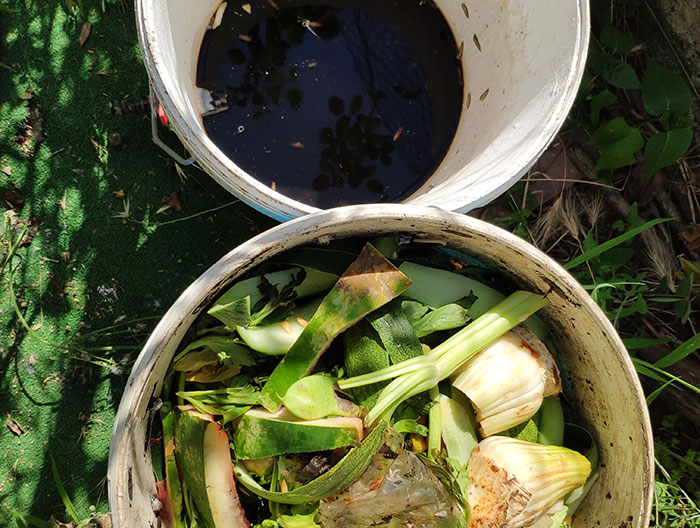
{"x":691,"y":236}
{"x":30,"y":132}
{"x":85,"y":33}
{"x":173,"y":200}
{"x":14,"y":200}
{"x":552,"y":174}
{"x":7,"y":170}
{"x":14,"y":426}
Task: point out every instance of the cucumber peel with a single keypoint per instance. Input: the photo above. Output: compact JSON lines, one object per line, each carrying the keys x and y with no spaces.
{"x":204,"y":458}
{"x":261,"y":434}
{"x":330,"y":483}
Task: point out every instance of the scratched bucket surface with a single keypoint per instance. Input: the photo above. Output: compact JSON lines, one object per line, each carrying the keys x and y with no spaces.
{"x":605,"y":385}
{"x":522,"y":63}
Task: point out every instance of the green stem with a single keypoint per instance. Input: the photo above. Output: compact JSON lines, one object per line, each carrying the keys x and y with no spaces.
{"x":394,"y":371}
{"x":434,"y":425}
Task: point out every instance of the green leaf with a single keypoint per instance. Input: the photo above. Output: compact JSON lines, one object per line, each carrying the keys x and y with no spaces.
{"x":409,"y":425}
{"x":684,"y":350}
{"x":664,"y":91}
{"x":395,"y":332}
{"x":617,"y":143}
{"x":616,"y":40}
{"x":615,"y":71}
{"x":600,"y":101}
{"x":229,"y":350}
{"x":602,"y":248}
{"x":665,"y":148}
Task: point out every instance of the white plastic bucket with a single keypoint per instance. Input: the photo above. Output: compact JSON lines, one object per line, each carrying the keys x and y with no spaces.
{"x":522,"y":61}
{"x":605,"y":385}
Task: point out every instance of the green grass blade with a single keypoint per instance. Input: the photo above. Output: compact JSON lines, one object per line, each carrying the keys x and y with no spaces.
{"x":657,"y":373}
{"x":635,"y":343}
{"x":62,"y":492}
{"x":28,"y":520}
{"x":18,"y":519}
{"x":684,"y":350}
{"x":658,"y":391}
{"x":602,"y":248}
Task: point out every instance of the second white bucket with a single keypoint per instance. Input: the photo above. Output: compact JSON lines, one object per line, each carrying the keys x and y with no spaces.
{"x":522,"y":62}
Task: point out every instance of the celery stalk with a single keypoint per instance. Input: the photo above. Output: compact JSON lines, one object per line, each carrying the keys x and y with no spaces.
{"x":425,"y":372}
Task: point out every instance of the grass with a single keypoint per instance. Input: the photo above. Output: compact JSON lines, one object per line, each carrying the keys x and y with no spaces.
{"x":90,"y":257}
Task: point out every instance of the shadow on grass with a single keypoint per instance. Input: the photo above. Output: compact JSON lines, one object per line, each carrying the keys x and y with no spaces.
{"x":87,"y":267}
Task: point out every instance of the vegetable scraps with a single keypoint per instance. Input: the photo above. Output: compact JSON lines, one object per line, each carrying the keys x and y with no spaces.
{"x":361,"y":391}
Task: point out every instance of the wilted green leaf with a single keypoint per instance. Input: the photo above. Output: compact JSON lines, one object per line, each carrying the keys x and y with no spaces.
{"x":616,"y":40}
{"x":600,"y":101}
{"x":665,"y":148}
{"x":664,"y":90}
{"x":617,"y":143}
{"x":614,"y":70}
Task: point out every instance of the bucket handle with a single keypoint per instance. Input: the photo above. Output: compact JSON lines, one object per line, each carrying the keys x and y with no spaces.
{"x":157,"y":139}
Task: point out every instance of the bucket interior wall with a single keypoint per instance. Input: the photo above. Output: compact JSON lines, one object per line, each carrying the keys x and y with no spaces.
{"x":522,"y":61}
{"x":605,"y":386}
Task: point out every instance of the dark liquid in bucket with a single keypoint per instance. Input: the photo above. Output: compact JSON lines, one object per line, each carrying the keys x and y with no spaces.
{"x":336,"y":103}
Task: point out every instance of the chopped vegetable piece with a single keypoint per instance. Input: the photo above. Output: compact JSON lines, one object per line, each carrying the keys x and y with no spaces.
{"x":507,"y":381}
{"x":436,"y":288}
{"x":551,"y":426}
{"x":422,"y":373}
{"x":261,"y":434}
{"x":229,"y":403}
{"x":330,"y":483}
{"x":203,"y":455}
{"x":314,"y":397}
{"x":172,"y":516}
{"x":277,"y":338}
{"x":458,"y":430}
{"x":370,"y":282}
{"x":230,"y":307}
{"x":225,"y":349}
{"x":444,"y":318}
{"x":513,"y":483}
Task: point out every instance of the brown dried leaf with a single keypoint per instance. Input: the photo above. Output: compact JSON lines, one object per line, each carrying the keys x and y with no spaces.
{"x":691,"y":236}
{"x":15,"y":200}
{"x":14,"y":426}
{"x":85,"y":33}
{"x":7,"y":170}
{"x":26,"y":96}
{"x":114,"y":139}
{"x":30,"y":132}
{"x":119,"y":194}
{"x":173,"y":200}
